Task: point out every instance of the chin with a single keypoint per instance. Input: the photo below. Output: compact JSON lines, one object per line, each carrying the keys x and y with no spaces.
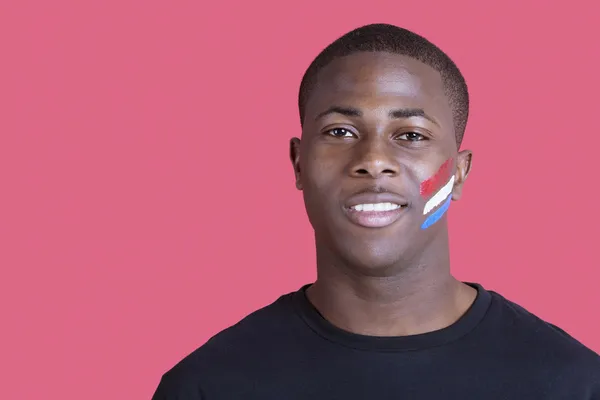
{"x":373,"y":259}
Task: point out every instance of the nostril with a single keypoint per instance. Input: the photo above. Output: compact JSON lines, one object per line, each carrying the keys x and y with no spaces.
{"x":374,"y":172}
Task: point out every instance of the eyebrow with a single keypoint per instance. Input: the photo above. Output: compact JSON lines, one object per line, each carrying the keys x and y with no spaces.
{"x":401,"y":113}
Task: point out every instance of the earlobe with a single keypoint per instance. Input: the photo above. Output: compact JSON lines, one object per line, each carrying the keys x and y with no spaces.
{"x":295,"y":159}
{"x":463,"y":167}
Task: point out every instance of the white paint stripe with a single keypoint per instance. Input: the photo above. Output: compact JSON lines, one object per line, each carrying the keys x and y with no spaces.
{"x":440,"y":196}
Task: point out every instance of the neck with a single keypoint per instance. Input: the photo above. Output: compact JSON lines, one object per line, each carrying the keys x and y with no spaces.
{"x":417,"y":297}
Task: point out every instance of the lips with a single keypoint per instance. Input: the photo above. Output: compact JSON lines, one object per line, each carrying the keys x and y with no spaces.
{"x":375,"y":198}
{"x":375,"y":210}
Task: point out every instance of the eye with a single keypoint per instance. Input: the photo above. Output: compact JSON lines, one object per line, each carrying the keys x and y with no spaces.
{"x":340,"y":133}
{"x":412,"y":137}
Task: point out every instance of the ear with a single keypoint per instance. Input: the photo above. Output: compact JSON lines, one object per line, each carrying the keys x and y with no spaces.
{"x":463,"y":167}
{"x":295,"y":158}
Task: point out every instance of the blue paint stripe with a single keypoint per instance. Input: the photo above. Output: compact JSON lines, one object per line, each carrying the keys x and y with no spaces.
{"x":437,"y":214}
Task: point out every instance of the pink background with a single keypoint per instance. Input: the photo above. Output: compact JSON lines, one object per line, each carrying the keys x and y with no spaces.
{"x":148,"y":202}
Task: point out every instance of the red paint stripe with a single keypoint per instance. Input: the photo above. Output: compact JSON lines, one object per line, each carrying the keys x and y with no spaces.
{"x":435,"y":183}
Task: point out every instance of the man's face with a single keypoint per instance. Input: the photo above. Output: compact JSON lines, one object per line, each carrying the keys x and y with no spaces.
{"x":378,"y":158}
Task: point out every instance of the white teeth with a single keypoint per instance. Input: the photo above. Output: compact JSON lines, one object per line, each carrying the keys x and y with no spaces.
{"x":376,"y":207}
{"x":381,"y":207}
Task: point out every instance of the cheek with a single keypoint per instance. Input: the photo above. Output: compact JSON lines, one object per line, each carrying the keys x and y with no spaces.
{"x":435,"y":182}
{"x":436,"y":191}
{"x":323,"y":169}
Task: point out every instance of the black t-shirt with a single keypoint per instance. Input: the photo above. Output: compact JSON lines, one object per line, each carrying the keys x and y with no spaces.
{"x":288,"y":351}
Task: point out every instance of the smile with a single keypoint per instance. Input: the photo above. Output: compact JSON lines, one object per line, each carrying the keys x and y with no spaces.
{"x":376,"y":207}
{"x":375,"y":215}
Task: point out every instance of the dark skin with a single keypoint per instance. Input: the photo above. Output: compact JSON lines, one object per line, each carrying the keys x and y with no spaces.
{"x":379,"y":122}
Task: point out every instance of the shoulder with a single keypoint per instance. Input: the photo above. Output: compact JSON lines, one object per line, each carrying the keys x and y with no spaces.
{"x":230,"y":348}
{"x":537,"y":339}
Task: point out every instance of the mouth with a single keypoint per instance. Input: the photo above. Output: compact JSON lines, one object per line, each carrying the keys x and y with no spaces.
{"x":375,"y":215}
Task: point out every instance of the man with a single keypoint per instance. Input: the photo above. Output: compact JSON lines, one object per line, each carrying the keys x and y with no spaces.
{"x":383,"y":112}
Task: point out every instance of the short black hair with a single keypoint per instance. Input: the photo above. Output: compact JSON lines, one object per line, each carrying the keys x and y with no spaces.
{"x":393,"y":39}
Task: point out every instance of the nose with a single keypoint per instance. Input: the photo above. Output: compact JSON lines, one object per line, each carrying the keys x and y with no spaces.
{"x":374,"y":159}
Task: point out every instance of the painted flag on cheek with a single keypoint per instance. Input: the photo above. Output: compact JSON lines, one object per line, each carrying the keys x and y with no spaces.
{"x":438,"y":189}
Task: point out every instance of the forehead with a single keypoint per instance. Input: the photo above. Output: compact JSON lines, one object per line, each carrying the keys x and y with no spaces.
{"x":378,"y":79}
